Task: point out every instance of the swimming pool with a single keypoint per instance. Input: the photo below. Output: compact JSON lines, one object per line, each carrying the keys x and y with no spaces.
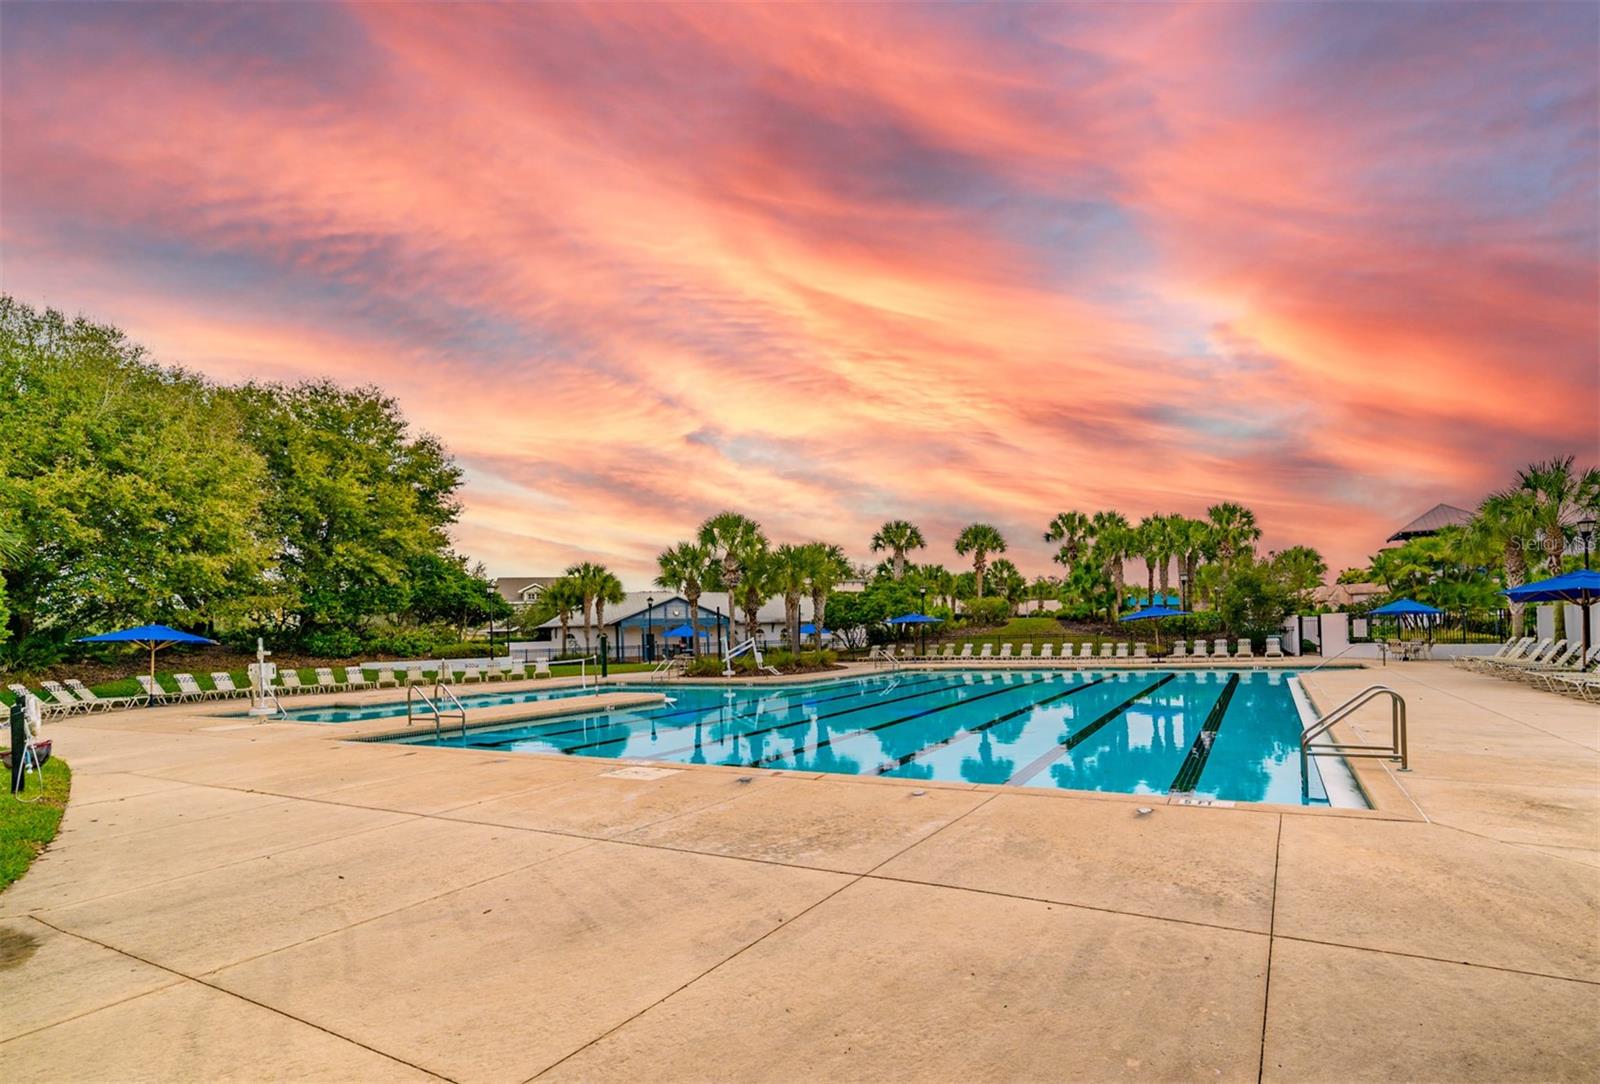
{"x":397,"y":708}
{"x":1209,"y":734}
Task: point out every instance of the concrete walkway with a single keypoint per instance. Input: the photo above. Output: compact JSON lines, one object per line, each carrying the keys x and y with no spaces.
{"x":237,"y":902}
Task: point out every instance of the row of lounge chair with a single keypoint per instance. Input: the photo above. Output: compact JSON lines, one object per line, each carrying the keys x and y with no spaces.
{"x":1558,"y":666}
{"x":1131,"y":652}
{"x":73,"y":696}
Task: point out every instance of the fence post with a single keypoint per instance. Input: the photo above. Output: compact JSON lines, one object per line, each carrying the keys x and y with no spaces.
{"x":605,"y":654}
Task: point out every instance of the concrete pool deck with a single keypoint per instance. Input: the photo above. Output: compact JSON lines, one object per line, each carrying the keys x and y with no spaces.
{"x":237,"y":901}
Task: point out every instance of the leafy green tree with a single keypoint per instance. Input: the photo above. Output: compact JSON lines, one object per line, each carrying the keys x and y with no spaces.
{"x":1507,"y":523}
{"x":444,"y":589}
{"x":980,"y":540}
{"x":1254,"y":597}
{"x":898,"y":537}
{"x":1301,"y":568}
{"x":1191,"y":540}
{"x":687,"y":568}
{"x":125,"y":487}
{"x":593,"y":581}
{"x":353,"y":500}
{"x":1006,"y":582}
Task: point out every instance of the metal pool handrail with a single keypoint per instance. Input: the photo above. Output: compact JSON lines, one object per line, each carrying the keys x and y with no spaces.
{"x":1395,"y":750}
{"x":440,"y":691}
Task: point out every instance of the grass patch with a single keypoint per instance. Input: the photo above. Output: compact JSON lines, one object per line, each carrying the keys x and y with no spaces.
{"x":26,"y":827}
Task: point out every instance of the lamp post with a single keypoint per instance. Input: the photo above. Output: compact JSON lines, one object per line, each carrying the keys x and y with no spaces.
{"x":1585,"y":531}
{"x":649,"y":628}
{"x":922,"y":637}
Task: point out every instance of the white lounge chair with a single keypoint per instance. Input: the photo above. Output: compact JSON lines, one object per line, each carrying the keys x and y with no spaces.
{"x":1141,"y":650}
{"x":153,"y":692}
{"x":222,"y":681}
{"x":1247,"y":650}
{"x":189,"y":688}
{"x":387,"y":676}
{"x":966,"y":651}
{"x":1544,"y":651}
{"x":1219,"y":647}
{"x":68,"y":704}
{"x":1529,"y":649}
{"x":1180,"y":649}
{"x":987,"y":652}
{"x":1106,"y":649}
{"x":1027,"y":651}
{"x":949,"y":652}
{"x":1047,"y":651}
{"x":1509,"y":649}
{"x":289,"y":680}
{"x":1005,"y":651}
{"x":356,"y":678}
{"x":1122,"y":651}
{"x":95,"y":700}
{"x":1274,"y":647}
{"x":1200,"y":649}
{"x":470,"y":672}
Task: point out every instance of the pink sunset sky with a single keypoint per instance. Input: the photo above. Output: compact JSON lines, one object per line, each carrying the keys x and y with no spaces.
{"x":833,"y":265}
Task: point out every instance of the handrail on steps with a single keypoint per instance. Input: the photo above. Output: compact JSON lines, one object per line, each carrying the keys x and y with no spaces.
{"x":440,"y":692}
{"x":1395,"y":750}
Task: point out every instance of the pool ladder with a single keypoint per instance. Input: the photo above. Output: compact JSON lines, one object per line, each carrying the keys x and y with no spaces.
{"x":1395,"y":750}
{"x":441,"y":693}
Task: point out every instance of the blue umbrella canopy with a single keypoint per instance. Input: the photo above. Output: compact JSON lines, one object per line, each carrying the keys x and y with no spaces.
{"x":1580,"y":587}
{"x":1153,"y":611}
{"x":679,"y":633}
{"x":914,"y":619}
{"x":154,"y":637}
{"x":1405,"y":607}
{"x":144,"y":634}
{"x":808,"y":629}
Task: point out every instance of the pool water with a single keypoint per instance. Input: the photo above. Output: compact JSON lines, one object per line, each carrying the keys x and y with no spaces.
{"x":396,"y":709}
{"x":1220,"y":735}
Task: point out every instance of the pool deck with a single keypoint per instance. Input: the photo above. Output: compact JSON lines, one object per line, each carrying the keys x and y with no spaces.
{"x":230,"y":900}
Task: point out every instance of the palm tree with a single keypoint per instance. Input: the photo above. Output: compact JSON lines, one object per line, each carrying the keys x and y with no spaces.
{"x":1507,"y":524}
{"x":755,"y":586}
{"x":564,"y":596}
{"x":607,"y":590}
{"x":826,"y":565}
{"x":739,"y":544}
{"x":1191,"y":538}
{"x":687,"y":568}
{"x":980,"y":540}
{"x":1004,"y":579}
{"x":1113,"y":539}
{"x":1233,"y":530}
{"x":1560,"y":498}
{"x":898,"y":537}
{"x":588,"y":577}
{"x":787,"y":575}
{"x":1074,"y":531}
{"x":1147,"y":545}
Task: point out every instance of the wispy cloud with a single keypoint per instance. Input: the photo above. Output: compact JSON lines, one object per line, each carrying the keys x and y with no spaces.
{"x":828,"y":265}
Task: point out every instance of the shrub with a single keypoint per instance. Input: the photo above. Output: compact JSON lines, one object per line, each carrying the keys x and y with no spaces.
{"x":988,"y":610}
{"x":333,"y":643}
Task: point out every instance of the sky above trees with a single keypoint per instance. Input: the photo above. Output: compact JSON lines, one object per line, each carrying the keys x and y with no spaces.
{"x":832,"y":266}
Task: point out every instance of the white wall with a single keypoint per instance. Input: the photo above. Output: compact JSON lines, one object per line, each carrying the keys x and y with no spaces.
{"x":1291,"y":635}
{"x":1335,"y":629}
{"x":1545,"y":621}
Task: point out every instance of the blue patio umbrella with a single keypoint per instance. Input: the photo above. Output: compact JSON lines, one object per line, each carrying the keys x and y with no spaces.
{"x":1154,"y":613}
{"x":681,"y":632}
{"x":1581,"y":587}
{"x":914,"y":619}
{"x":154,"y":637}
{"x":1405,"y":607}
{"x":808,"y":629}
